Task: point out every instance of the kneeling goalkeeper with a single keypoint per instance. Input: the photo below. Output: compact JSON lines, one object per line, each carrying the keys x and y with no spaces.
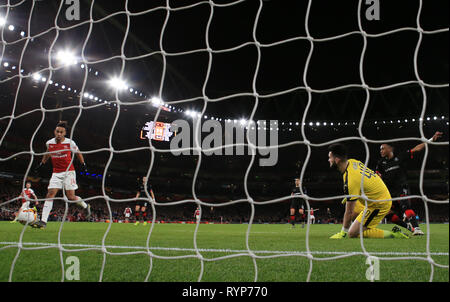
{"x":379,"y":205}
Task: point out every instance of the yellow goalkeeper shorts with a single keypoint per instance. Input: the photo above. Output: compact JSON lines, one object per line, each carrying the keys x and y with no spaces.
{"x":373,"y":215}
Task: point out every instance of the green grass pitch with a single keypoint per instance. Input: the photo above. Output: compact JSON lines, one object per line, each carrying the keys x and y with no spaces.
{"x":226,"y":245}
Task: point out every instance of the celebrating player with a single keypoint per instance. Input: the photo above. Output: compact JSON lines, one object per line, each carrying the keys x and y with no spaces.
{"x":141,"y":206}
{"x":297,"y":204}
{"x":127,"y":213}
{"x":61,"y":149}
{"x":312,"y":218}
{"x":379,"y":205}
{"x":25,"y":196}
{"x":392,"y":169}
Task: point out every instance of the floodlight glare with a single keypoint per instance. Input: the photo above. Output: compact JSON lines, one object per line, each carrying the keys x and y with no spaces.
{"x":36,"y":76}
{"x":11,"y":27}
{"x":66,"y":57}
{"x":2,"y":21}
{"x":156,"y":101}
{"x":118,"y":84}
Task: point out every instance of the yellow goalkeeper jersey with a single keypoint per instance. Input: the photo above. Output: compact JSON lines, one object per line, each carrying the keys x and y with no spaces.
{"x":373,"y":186}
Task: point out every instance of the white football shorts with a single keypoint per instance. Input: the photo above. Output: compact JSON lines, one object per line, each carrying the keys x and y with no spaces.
{"x":68,"y":179}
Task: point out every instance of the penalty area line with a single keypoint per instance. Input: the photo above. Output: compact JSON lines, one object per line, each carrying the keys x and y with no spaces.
{"x":66,"y":245}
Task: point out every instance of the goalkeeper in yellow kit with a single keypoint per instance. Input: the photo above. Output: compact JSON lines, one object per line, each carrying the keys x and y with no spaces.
{"x":378,"y":198}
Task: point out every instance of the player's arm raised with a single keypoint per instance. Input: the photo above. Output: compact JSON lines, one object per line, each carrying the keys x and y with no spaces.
{"x":421,"y":146}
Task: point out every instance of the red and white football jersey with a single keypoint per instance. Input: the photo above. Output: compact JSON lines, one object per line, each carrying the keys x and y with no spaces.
{"x":127,"y":210}
{"x":61,"y":160}
{"x":26,"y":194}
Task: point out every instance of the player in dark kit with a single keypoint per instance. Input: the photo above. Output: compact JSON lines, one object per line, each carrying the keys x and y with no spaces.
{"x":141,"y":205}
{"x":392,"y":169}
{"x":297,"y":204}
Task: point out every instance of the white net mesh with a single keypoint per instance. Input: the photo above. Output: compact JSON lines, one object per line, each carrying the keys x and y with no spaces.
{"x":44,"y":76}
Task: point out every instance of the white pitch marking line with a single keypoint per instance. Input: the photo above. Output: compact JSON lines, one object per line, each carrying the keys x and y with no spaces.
{"x":225,"y":250}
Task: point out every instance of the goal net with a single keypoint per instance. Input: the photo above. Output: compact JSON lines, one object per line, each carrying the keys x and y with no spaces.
{"x":221,"y":104}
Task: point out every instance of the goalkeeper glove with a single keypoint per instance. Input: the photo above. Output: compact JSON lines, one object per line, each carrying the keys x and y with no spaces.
{"x":344,"y":200}
{"x":342,"y":234}
{"x":84,"y":167}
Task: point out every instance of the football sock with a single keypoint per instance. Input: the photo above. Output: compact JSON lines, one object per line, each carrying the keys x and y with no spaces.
{"x":48,"y":205}
{"x":377,"y":233}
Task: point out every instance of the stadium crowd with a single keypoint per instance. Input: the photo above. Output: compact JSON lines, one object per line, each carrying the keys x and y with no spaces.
{"x":237,"y":213}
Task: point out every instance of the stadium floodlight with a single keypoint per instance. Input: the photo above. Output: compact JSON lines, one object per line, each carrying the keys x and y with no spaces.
{"x":22,"y":33}
{"x":43,"y":79}
{"x":2,"y":21}
{"x":117,"y":83}
{"x":310,"y":123}
{"x":243,"y":121}
{"x":318,"y":124}
{"x":11,"y":27}
{"x":434,"y":117}
{"x":156,"y":101}
{"x":5,"y":64}
{"x":66,"y":57}
{"x":37,"y":76}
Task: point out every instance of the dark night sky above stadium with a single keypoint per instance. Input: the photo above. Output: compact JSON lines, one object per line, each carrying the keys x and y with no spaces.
{"x":388,"y":59}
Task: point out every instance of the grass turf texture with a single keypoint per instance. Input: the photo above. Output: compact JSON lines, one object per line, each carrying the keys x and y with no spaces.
{"x":45,"y":264}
